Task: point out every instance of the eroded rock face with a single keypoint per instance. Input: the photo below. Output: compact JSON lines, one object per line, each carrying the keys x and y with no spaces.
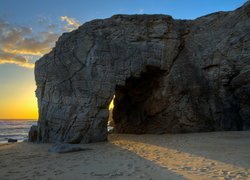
{"x":168,"y":76}
{"x":33,"y":133}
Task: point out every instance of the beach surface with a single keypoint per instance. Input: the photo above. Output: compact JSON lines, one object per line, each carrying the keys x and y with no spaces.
{"x":216,"y":155}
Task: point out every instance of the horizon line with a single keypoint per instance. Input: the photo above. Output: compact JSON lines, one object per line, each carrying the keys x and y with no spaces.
{"x":17,"y":119}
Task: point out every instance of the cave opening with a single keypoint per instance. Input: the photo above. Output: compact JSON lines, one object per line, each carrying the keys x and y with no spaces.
{"x":129,"y":110}
{"x":110,"y":125}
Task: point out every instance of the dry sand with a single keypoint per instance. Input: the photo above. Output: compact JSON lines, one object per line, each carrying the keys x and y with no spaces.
{"x":217,"y":155}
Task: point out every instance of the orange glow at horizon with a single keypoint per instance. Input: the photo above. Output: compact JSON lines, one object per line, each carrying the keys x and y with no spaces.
{"x":20,"y":104}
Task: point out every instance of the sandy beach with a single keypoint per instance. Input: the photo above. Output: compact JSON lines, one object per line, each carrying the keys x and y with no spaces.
{"x":216,"y":155}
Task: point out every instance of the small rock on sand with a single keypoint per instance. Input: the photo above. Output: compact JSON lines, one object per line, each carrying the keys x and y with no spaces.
{"x":66,"y":148}
{"x":12,"y":140}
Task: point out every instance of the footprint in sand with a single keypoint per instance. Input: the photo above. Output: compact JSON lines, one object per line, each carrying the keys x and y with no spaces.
{"x":187,"y":168}
{"x":203,"y":170}
{"x":58,"y":172}
{"x":129,"y":165}
{"x":212,"y":164}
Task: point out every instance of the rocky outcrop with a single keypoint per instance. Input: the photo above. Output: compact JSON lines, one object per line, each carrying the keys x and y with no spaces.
{"x":168,"y":76}
{"x":12,"y":140}
{"x":66,"y":148}
{"x":33,"y":133}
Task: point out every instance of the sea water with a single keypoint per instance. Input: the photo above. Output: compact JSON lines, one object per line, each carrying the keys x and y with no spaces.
{"x":18,"y":129}
{"x":15,"y":129}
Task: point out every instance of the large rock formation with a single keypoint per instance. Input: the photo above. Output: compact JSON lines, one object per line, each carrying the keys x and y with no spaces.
{"x":168,"y":76}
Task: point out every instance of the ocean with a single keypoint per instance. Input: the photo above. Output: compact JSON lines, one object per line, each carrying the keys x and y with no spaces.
{"x":18,"y":129}
{"x":15,"y":129}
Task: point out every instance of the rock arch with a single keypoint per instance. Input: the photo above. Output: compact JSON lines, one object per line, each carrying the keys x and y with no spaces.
{"x":177,"y":75}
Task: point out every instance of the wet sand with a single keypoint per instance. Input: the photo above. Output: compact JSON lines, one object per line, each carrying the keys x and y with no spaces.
{"x":216,"y":155}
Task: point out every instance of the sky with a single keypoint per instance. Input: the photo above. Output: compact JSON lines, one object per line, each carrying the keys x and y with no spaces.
{"x":30,"y":28}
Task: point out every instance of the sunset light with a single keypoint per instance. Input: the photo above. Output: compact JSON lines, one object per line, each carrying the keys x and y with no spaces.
{"x":17,"y":97}
{"x":124,"y":90}
{"x":20,"y":106}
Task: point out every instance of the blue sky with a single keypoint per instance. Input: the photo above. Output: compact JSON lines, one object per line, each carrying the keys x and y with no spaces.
{"x":27,"y":11}
{"x":29,"y":28}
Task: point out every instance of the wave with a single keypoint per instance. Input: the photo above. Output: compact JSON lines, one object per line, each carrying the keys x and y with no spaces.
{"x":15,"y":129}
{"x":12,"y":135}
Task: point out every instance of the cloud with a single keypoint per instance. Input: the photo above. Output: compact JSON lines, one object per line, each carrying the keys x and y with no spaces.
{"x":6,"y":57}
{"x":20,"y":45}
{"x":47,"y":22}
{"x":18,"y":41}
{"x":141,"y":11}
{"x":37,"y":45}
{"x":71,"y":23}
